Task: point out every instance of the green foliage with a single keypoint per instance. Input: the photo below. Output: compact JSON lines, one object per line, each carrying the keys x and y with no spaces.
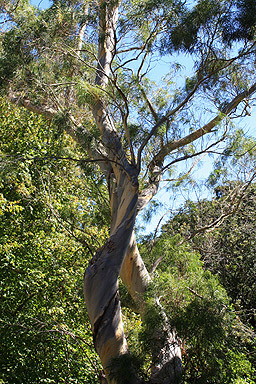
{"x":14,"y":56}
{"x":47,"y":235}
{"x":151,"y":323}
{"x":122,"y":369}
{"x":184,"y":36}
{"x":42,"y":57}
{"x":215,"y":345}
{"x":88,"y":94}
{"x":235,"y":21}
{"x":53,"y":202}
{"x":242,"y":24}
{"x":31,"y":58}
{"x":190,"y":83}
{"x":227,"y":251}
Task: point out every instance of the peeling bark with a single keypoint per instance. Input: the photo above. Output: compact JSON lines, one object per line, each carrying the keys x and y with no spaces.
{"x":166,"y":352}
{"x":120,"y":254}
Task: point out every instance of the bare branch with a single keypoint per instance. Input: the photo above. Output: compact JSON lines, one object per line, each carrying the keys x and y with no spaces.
{"x":48,"y":113}
{"x":199,"y":82}
{"x":82,"y":30}
{"x":161,"y":122}
{"x":186,"y":157}
{"x":125,"y":117}
{"x":151,"y":108}
{"x":141,"y":50}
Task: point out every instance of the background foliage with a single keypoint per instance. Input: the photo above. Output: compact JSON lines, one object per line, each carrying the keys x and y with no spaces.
{"x":45,"y":244}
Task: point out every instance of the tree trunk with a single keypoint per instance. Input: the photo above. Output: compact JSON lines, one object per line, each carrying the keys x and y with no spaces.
{"x":135,"y":275}
{"x":101,"y":283}
{"x":120,"y":255}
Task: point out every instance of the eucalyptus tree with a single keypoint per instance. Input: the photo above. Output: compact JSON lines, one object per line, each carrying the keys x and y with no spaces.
{"x":85,"y":65}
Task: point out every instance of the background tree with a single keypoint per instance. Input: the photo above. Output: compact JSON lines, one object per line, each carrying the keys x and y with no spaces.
{"x":222,"y":228}
{"x":83,"y":66}
{"x":227,"y":247}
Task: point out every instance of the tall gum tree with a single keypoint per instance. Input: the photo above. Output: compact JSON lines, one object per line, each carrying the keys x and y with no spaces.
{"x":84,"y":65}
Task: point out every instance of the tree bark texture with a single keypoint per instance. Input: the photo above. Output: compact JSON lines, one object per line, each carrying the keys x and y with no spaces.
{"x":101,"y":277}
{"x":120,"y":255}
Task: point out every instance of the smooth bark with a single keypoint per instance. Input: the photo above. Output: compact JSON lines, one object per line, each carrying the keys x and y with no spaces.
{"x":101,"y":284}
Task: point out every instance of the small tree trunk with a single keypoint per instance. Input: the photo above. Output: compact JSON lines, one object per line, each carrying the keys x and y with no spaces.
{"x":165,"y":345}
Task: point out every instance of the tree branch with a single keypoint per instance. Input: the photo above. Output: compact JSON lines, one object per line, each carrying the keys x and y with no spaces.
{"x":189,"y":96}
{"x":48,"y":113}
{"x":151,"y":108}
{"x":125,"y":117}
{"x":230,"y":210}
{"x":207,"y":128}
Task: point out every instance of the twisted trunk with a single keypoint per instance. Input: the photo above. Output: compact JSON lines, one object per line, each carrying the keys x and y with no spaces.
{"x":101,"y":281}
{"x":120,"y":255}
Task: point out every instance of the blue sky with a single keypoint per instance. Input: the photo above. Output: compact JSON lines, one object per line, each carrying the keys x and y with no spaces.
{"x":41,"y":3}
